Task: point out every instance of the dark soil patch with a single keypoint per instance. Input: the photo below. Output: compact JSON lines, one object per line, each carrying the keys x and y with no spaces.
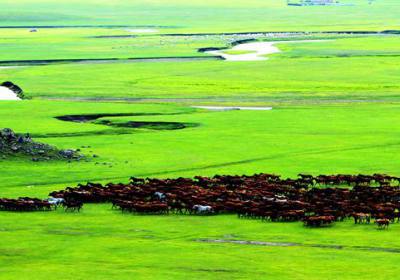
{"x":203,"y":50}
{"x":221,"y":270}
{"x":85,"y":133}
{"x":129,"y":124}
{"x":377,"y":249}
{"x":67,"y":232}
{"x":150,"y":125}
{"x":105,"y":60}
{"x":93,"y":117}
{"x":83,"y":26}
{"x":246,"y":242}
{"x":113,"y":36}
{"x":289,"y":244}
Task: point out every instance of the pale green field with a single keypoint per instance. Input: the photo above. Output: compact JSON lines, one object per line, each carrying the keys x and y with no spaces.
{"x":101,"y":243}
{"x":335,"y":110}
{"x":334,"y":69}
{"x":85,"y":43}
{"x":202,"y":16}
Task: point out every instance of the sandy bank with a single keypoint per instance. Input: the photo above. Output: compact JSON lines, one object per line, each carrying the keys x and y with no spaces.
{"x":7,"y":94}
{"x":256,"y":51}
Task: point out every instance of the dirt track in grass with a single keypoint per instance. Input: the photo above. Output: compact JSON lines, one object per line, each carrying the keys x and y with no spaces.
{"x":230,"y":101}
{"x":290,"y":244}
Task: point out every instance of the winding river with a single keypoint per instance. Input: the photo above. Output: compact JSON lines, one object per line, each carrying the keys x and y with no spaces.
{"x":254,"y":51}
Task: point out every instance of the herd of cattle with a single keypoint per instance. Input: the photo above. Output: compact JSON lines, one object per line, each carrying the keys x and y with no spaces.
{"x":317,"y":201}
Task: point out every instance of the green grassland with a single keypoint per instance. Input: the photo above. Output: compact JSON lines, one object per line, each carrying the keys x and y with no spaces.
{"x":336,"y":70}
{"x":101,"y":43}
{"x":101,"y":243}
{"x":201,"y":16}
{"x":287,"y":140}
{"x":347,"y":138}
{"x":89,"y":43}
{"x":335,"y":110}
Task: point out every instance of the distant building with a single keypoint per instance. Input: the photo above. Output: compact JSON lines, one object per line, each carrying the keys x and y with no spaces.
{"x":312,"y":2}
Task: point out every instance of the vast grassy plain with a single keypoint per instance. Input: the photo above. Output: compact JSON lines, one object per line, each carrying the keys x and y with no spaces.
{"x":335,"y":110}
{"x":344,"y":138}
{"x":201,"y":16}
{"x":331,"y":69}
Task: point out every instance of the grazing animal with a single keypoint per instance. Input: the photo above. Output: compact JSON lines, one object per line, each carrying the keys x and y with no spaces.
{"x":266,"y":197}
{"x":160,"y":196}
{"x":73,"y":206}
{"x":383,"y":223}
{"x":55,"y":201}
{"x":360,"y":218}
{"x":318,"y":221}
{"x":202,"y":209}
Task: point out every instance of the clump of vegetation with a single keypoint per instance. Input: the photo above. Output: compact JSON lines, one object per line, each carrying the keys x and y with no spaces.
{"x":13,"y":144}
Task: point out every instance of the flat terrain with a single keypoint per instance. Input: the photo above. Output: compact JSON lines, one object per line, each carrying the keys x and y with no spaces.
{"x":200,"y":16}
{"x":101,"y":243}
{"x":335,"y":110}
{"x":343,"y":138}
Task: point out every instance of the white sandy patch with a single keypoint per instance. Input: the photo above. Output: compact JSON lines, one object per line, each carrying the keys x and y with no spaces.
{"x":9,"y":67}
{"x":8,"y":94}
{"x":142,"y":30}
{"x":229,"y":108}
{"x":258,"y":50}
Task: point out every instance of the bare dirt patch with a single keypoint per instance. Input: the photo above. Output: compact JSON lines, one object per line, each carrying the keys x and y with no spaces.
{"x":129,"y":124}
{"x":290,"y":244}
{"x":230,"y":108}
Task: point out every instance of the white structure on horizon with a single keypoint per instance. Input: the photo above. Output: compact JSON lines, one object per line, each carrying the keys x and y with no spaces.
{"x":312,"y":2}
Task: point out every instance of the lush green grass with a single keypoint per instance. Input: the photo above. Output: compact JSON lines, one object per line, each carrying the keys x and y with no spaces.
{"x":205,"y":16}
{"x":287,"y":140}
{"x":90,"y":43}
{"x":298,"y":135}
{"x":275,"y":79}
{"x":85,"y":43}
{"x":334,"y":69}
{"x":101,"y":243}
{"x":351,"y":46}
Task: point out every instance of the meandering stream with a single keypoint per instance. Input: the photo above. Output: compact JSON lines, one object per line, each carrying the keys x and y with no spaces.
{"x":254,"y":51}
